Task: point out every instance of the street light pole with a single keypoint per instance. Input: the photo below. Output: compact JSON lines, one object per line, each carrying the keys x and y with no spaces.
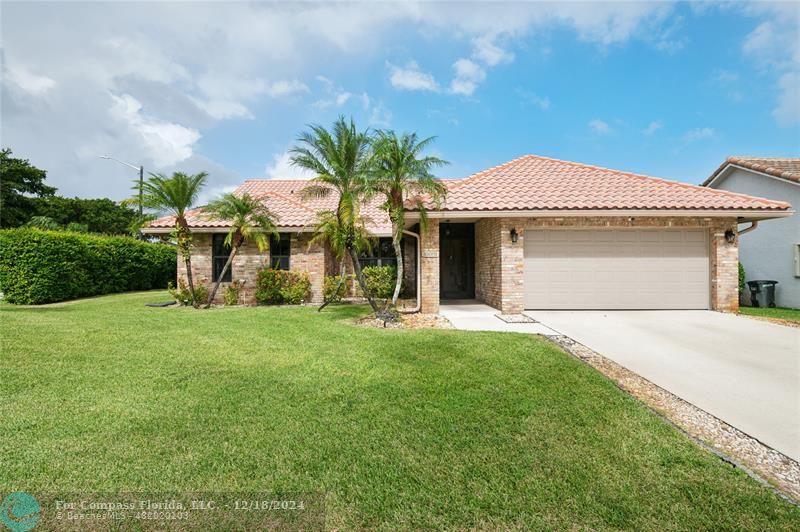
{"x":141,"y":185}
{"x":140,"y":168}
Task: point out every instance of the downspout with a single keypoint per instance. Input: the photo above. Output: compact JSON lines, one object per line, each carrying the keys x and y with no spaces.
{"x":419,"y":275}
{"x":753,"y":225}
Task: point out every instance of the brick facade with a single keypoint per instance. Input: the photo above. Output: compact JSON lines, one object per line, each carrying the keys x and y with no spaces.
{"x":307,"y":257}
{"x":499,"y":263}
{"x":488,"y":276}
{"x":410,"y":266}
{"x":429,"y":282}
{"x":250,"y":260}
{"x":724,"y":268}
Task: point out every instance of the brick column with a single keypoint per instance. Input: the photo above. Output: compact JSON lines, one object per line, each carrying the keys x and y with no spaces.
{"x":512,"y":261}
{"x":307,"y":257}
{"x":724,"y":268}
{"x":429,"y":283}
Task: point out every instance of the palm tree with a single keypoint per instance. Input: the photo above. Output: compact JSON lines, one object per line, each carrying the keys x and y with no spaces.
{"x":176,"y":195}
{"x":330,"y":231}
{"x":402,"y":172}
{"x":250,"y":220}
{"x":342,"y":161}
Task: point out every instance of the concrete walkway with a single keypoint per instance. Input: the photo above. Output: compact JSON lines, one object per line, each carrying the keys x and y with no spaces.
{"x":470,"y":315}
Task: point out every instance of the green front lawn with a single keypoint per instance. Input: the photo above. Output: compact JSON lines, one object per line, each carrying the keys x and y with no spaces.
{"x":397,"y":428}
{"x":789,"y":314}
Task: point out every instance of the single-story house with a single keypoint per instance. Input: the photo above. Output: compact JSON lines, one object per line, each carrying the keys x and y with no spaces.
{"x":532,"y":233}
{"x":773,"y":251}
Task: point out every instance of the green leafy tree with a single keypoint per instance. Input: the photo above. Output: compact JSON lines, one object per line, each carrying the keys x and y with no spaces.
{"x":403,"y":173}
{"x":98,"y":215}
{"x":43,"y":222}
{"x":341,"y":160}
{"x":176,"y":195}
{"x":250,"y":220}
{"x":19,"y":182}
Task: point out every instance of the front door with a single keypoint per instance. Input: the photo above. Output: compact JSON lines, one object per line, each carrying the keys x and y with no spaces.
{"x":457,"y":261}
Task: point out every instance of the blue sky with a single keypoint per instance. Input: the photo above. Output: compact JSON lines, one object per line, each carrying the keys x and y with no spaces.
{"x":657,"y":88}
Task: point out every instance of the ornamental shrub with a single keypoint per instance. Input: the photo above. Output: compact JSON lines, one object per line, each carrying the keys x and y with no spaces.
{"x":38,"y":266}
{"x":232,"y":292}
{"x":275,"y":287}
{"x":182,"y":294}
{"x":268,"y":287}
{"x":296,"y":286}
{"x":380,"y":280}
{"x":329,"y":287}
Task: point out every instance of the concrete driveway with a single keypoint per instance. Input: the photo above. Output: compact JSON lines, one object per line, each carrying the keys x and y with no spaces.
{"x":744,"y":371}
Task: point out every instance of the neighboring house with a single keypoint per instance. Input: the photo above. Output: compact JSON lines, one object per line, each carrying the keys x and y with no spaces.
{"x":533,"y":233}
{"x":772,"y":251}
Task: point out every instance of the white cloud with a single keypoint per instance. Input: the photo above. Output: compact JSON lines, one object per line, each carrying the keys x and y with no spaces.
{"x":773,"y":46}
{"x":542,"y":102}
{"x":222,"y":109}
{"x":487,"y":51}
{"x":365,"y":101}
{"x":761,"y":40}
{"x":281,"y":167}
{"x":411,"y":78}
{"x":469,"y":75}
{"x":168,"y":143}
{"x":652,"y":127}
{"x":788,"y":110}
{"x":725,"y":77}
{"x":380,"y":116}
{"x":27,"y":81}
{"x":336,"y":96}
{"x":699,"y":133}
{"x":282,"y":88}
{"x":247,"y":54}
{"x":223,"y":98}
{"x":600,"y":127}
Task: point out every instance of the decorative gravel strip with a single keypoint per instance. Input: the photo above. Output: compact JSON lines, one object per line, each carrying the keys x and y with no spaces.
{"x":779,"y":321}
{"x":732,"y":445}
{"x":408,"y":321}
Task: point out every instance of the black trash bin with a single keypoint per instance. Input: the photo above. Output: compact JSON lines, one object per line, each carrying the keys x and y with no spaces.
{"x":762,"y":293}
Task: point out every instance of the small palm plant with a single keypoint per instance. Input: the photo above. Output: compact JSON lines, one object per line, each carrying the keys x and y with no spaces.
{"x":250,"y":220}
{"x":342,"y":161}
{"x":176,"y":195}
{"x":403,"y":172}
{"x":329,"y":230}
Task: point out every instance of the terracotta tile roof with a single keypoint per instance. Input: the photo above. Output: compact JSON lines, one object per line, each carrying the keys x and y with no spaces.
{"x":530,"y":182}
{"x":782,"y":167}
{"x":539,"y":183}
{"x":283,"y":198}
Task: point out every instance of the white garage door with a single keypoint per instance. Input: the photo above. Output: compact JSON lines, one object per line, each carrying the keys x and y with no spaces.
{"x":616,"y":269}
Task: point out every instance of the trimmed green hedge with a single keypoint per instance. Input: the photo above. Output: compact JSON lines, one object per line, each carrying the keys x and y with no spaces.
{"x":39,"y":266}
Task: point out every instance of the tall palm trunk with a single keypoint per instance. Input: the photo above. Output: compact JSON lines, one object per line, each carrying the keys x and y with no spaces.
{"x":338,"y":285}
{"x":399,"y":253}
{"x":185,"y":247}
{"x":396,"y":215}
{"x":234,"y":250}
{"x":361,"y":281}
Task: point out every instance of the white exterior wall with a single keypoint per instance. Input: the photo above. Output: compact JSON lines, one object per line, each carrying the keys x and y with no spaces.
{"x":768,"y":251}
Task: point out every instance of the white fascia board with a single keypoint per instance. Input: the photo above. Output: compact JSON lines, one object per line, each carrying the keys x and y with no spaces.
{"x":761,"y":214}
{"x":727,"y":170}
